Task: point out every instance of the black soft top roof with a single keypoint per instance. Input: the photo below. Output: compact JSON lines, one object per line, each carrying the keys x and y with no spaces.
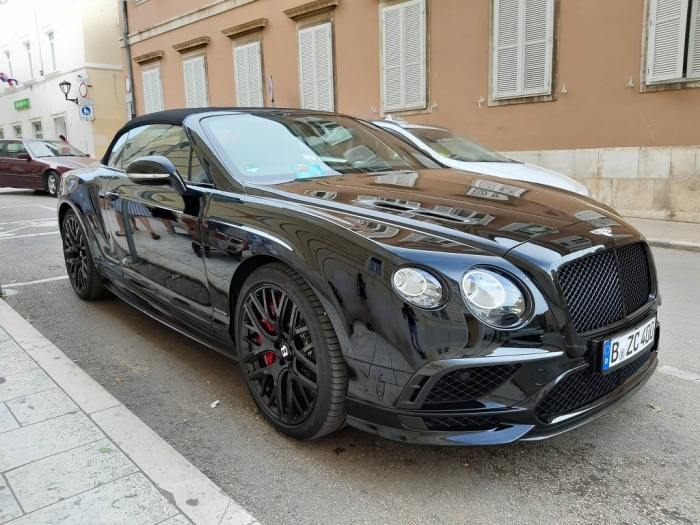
{"x":175,"y":117}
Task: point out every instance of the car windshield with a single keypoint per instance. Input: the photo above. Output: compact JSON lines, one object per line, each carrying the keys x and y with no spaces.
{"x":456,"y":147}
{"x":53,"y":148}
{"x":281,"y":147}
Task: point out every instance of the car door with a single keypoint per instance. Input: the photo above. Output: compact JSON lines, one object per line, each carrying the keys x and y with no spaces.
{"x":4,"y":175}
{"x":18,"y":173}
{"x":156,"y":233}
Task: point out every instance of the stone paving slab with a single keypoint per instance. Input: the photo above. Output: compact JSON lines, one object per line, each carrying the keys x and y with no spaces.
{"x":132,"y":500}
{"x":18,"y":385}
{"x":38,"y":407}
{"x":70,"y":453}
{"x":67,"y":474}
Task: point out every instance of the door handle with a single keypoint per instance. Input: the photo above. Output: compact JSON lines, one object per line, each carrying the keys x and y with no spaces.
{"x":112,"y":195}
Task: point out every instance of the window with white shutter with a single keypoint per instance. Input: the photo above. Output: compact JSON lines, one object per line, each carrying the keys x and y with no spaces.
{"x":316,"y":81}
{"x":195,"y":82}
{"x":152,"y":90}
{"x":404,"y":51}
{"x":673,"y":41}
{"x":523,"y":43}
{"x":693,"y":71}
{"x":248,"y":68}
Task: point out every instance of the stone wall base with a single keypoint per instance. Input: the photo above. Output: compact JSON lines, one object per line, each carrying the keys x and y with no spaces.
{"x":649,"y":183}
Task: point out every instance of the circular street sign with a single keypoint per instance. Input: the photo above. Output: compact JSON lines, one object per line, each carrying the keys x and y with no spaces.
{"x":127,"y":84}
{"x":83,"y":89}
{"x":86,"y":111}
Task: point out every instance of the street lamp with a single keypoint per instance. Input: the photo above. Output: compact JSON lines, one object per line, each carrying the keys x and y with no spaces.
{"x":65,"y":89}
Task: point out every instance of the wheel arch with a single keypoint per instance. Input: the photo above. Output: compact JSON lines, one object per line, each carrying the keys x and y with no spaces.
{"x":247,"y":267}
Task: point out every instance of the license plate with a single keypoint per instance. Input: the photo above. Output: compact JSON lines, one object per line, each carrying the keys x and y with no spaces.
{"x":625,"y":347}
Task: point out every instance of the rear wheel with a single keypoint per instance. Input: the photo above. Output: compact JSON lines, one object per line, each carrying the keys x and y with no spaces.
{"x":53,"y":179}
{"x":289,"y":354}
{"x":82,"y":271}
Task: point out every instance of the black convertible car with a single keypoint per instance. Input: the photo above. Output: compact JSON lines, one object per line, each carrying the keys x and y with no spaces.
{"x":357,"y":282}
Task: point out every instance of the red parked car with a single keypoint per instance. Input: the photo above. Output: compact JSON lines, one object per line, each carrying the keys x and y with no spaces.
{"x":38,"y":164}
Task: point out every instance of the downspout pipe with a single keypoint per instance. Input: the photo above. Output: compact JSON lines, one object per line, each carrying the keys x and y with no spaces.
{"x":127,"y":52}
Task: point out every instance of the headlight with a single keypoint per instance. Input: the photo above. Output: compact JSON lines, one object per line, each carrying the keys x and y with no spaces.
{"x":418,"y":287}
{"x":493,"y":298}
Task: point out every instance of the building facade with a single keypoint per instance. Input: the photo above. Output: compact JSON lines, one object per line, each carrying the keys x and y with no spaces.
{"x":46,"y":42}
{"x":605,"y":92}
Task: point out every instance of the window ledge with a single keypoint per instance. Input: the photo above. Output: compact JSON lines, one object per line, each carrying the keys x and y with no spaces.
{"x":407,"y":112}
{"x":51,"y":75}
{"x":244,"y":29}
{"x":191,"y":45}
{"x":522,"y":100}
{"x":148,"y":57}
{"x":669,"y":86}
{"x":310,"y":9}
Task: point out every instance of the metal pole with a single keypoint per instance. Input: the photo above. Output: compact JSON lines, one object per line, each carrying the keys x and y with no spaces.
{"x":127,"y":52}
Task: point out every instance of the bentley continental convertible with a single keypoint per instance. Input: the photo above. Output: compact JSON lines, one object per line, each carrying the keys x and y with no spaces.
{"x":358,"y":283}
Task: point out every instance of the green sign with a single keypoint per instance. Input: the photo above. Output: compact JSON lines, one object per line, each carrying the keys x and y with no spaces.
{"x":22,"y":104}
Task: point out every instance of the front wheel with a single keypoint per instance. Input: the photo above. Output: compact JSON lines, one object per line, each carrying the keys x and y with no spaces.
{"x":82,"y":271}
{"x":289,"y":354}
{"x":53,"y":179}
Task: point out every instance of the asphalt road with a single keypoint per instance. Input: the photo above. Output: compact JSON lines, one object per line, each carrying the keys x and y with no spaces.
{"x":634,"y":466}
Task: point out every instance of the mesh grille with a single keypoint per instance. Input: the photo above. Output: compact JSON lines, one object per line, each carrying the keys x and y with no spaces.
{"x":460,"y":423}
{"x":468,"y":384}
{"x":602,"y":288}
{"x":582,"y":387}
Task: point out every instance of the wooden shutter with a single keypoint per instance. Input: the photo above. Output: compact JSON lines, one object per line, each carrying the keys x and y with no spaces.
{"x":404,"y":56}
{"x":248,"y":69}
{"x":665,"y":54}
{"x":694,"y":42}
{"x":195,"y":82}
{"x":522,"y":48}
{"x":316,"y":68}
{"x":152,"y":90}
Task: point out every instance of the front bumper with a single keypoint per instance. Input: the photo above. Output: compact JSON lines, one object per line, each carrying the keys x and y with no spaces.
{"x":506,"y":424}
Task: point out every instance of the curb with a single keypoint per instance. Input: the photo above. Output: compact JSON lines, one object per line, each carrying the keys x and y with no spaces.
{"x":674,"y":245}
{"x":176,"y":478}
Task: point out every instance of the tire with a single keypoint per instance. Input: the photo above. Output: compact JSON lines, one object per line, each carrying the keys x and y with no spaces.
{"x":279,"y":358}
{"x":52,"y":181}
{"x":82,"y":272}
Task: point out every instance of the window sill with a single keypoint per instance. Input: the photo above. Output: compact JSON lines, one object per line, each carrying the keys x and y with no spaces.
{"x":53,"y":74}
{"x":669,"y":86}
{"x":522,"y":100}
{"x":407,"y":112}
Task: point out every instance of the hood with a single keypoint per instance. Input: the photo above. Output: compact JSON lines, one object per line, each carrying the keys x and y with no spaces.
{"x":448,"y":207}
{"x":67,"y":163}
{"x":521,"y":172}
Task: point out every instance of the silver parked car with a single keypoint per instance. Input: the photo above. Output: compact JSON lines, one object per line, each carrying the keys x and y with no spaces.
{"x":458,"y":152}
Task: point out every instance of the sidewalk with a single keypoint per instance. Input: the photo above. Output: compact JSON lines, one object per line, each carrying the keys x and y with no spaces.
{"x":70,"y":453}
{"x":669,"y":234}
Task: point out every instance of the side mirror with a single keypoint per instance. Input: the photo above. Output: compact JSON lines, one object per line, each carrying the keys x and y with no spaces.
{"x":24,"y":156}
{"x":155,"y":170}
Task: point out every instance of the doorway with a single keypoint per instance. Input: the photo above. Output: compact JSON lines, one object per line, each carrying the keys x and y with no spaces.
{"x":59,"y":127}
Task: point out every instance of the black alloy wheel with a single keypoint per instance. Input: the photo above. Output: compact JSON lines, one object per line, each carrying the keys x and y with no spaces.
{"x":53,"y":179}
{"x":290,"y":355}
{"x":82,"y":273}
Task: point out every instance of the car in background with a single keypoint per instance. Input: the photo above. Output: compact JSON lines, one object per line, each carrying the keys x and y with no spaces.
{"x":459,"y":152}
{"x":38,"y":164}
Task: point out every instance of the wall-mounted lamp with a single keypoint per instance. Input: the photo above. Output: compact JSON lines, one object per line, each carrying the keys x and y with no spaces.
{"x":65,"y":89}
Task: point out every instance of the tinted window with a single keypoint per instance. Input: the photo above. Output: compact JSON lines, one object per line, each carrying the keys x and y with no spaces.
{"x":456,"y":147}
{"x":14,"y":148}
{"x":166,"y":141}
{"x":276,"y":147}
